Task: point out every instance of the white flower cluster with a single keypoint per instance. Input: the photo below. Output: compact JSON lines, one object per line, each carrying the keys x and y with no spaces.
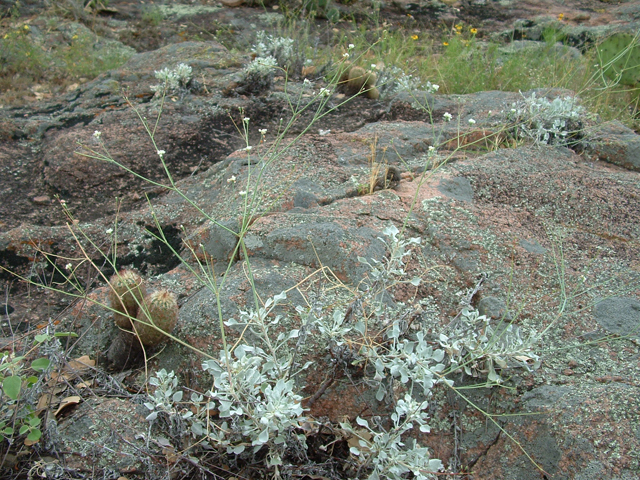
{"x":258,"y":75}
{"x":280,"y":48}
{"x":173,"y":79}
{"x":408,"y":83}
{"x":555,"y":122}
{"x":261,"y":66}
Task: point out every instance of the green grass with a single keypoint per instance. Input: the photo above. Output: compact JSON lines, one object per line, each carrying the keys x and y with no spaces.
{"x":456,"y":59}
{"x":26,"y":60}
{"x":461,"y":63}
{"x":152,"y":15}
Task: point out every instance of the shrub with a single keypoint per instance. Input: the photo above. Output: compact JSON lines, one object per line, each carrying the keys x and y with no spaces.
{"x":256,"y":396}
{"x":282,"y":49}
{"x":556,"y":122}
{"x":258,"y":75}
{"x":173,"y":80}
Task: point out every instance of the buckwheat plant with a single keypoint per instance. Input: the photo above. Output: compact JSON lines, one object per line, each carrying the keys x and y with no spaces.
{"x":258,"y":75}
{"x":557,"y":122}
{"x":476,"y":347}
{"x":395,"y":80}
{"x":383,"y":450}
{"x":256,"y":397}
{"x":256,"y":409}
{"x":281,"y":49}
{"x":252,"y":390}
{"x":173,"y":80}
{"x":253,"y":387}
{"x":384,"y":274}
{"x":165,"y":395}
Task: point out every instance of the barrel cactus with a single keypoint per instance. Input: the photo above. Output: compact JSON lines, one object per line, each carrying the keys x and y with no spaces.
{"x":160,"y":309}
{"x":125,"y":295}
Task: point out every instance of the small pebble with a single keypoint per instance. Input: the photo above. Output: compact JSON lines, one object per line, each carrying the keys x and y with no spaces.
{"x":41,"y":200}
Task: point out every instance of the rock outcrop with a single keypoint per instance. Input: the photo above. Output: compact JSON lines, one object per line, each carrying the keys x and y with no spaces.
{"x":553,"y":234}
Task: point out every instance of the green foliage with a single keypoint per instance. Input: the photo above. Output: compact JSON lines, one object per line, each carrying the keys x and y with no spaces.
{"x":620,"y":58}
{"x":19,"y":389}
{"x":84,"y":57}
{"x":15,"y":383}
{"x":152,"y":15}
{"x":553,"y":34}
{"x":321,"y":9}
{"x":24,"y":58}
{"x":20,"y":56}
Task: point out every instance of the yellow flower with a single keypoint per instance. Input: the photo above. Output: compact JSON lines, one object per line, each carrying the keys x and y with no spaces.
{"x":26,"y":27}
{"x":74,"y":37}
{"x":560,"y":16}
{"x":458,"y":27}
{"x":414,"y":37}
{"x":6,"y":35}
{"x":446,"y":44}
{"x":474,"y":31}
{"x":457,"y":32}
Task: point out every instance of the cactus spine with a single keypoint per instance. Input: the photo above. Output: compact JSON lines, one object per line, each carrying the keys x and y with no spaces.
{"x":160,"y":309}
{"x":125,"y":294}
{"x":357,"y":79}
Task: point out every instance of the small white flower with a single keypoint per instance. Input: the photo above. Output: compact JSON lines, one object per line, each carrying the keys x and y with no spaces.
{"x":351,"y":46}
{"x":246,"y":119}
{"x":432,"y":148}
{"x":447,"y":116}
{"x":306,"y":82}
{"x":324,"y":92}
{"x":513,"y":110}
{"x":63,"y":202}
{"x":248,"y":148}
{"x":324,"y":132}
{"x":374,"y":66}
{"x":472,"y":121}
{"x":345,"y":55}
{"x":242,"y":193}
{"x":263,"y":131}
{"x":97,"y":134}
{"x":435,"y":87}
{"x":161,"y":153}
{"x":68,"y":266}
{"x":490,"y":113}
{"x":109,"y":231}
{"x":231,"y":179}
